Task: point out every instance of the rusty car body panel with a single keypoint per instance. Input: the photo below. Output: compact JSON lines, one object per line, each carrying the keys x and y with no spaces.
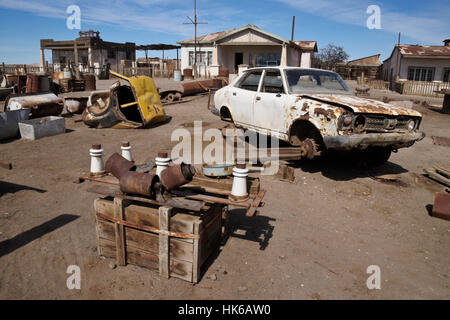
{"x":343,"y":120}
{"x":125,"y":106}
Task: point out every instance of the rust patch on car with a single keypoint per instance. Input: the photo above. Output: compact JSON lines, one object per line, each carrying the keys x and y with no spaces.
{"x":327,"y":113}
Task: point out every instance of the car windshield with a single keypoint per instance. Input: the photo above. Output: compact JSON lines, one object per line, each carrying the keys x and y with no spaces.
{"x":315,"y":81}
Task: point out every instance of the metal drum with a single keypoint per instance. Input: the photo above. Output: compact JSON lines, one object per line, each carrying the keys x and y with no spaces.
{"x":177,"y":75}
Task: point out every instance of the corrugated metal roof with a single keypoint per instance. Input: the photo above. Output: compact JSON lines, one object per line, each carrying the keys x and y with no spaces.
{"x":213,"y":37}
{"x":417,"y":50}
{"x":307,"y":45}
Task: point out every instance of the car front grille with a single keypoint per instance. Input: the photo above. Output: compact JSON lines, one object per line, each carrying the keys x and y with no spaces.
{"x":385,"y":123}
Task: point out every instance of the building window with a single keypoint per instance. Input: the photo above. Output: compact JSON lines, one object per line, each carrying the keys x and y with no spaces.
{"x":62,"y":59}
{"x":210,"y":62}
{"x":203,"y":58}
{"x":111,"y":54}
{"x":420,"y":74}
{"x":267,"y":59}
{"x":446,"y":75}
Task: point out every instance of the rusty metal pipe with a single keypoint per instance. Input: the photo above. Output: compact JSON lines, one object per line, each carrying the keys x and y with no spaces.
{"x":118,"y":165}
{"x":176,"y":176}
{"x":139,"y":183}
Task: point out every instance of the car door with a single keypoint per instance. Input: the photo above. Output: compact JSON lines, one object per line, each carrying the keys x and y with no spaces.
{"x":270,"y":102}
{"x":243,"y":96}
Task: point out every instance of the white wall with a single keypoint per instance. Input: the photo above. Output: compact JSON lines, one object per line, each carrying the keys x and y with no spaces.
{"x":437,"y":64}
{"x":306,"y":60}
{"x":390,"y":66}
{"x":227,"y":53}
{"x":185,"y":55}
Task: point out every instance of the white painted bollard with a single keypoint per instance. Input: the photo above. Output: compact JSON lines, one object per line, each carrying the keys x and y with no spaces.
{"x":162,"y":162}
{"x":239,"y":188}
{"x":126,"y":151}
{"x":97,"y":165}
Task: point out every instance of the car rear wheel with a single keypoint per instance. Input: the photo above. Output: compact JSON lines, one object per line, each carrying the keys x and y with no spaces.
{"x":225,"y":115}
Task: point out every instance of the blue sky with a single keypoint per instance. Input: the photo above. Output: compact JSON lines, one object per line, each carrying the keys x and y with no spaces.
{"x":341,"y":22}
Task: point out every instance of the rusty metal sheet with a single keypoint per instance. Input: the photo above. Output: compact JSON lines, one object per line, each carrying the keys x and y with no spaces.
{"x":441,"y":208}
{"x":363,"y":105}
{"x":195,"y":87}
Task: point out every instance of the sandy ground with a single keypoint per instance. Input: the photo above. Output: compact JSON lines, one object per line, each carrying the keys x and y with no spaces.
{"x":314,"y":238}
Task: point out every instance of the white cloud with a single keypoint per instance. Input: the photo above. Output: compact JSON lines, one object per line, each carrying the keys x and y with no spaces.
{"x":429,"y":27}
{"x":162,"y":16}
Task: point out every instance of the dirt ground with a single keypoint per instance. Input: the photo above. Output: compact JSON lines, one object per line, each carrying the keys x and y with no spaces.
{"x":314,"y":238}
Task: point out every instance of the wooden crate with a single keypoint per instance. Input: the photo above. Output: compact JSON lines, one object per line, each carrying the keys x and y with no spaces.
{"x":174,"y":242}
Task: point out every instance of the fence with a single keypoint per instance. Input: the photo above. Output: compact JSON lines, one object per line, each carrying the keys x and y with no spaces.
{"x":147,"y":71}
{"x":378,"y":84}
{"x":423,"y":88}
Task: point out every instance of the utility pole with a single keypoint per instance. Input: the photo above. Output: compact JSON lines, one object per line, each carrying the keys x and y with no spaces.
{"x":195,"y":23}
{"x":293,"y":26}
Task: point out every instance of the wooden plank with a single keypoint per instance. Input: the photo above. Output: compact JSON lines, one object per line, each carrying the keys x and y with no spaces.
{"x":435,"y":176}
{"x":178,"y":269}
{"x":146,"y":241}
{"x":443,"y":171}
{"x":148,"y":215}
{"x":119,"y":231}
{"x":164,"y":217}
{"x":255,"y":204}
{"x":195,"y":258}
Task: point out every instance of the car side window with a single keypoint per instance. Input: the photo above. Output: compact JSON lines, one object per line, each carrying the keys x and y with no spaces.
{"x":272,"y":82}
{"x":251,"y":81}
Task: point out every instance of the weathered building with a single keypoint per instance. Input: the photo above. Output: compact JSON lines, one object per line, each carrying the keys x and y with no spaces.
{"x":418,"y":63}
{"x":248,"y":46}
{"x":88,"y":52}
{"x":369,"y":66}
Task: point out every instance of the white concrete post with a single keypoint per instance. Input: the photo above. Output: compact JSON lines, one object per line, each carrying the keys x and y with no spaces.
{"x":42,"y":60}
{"x":162,"y":162}
{"x":239,"y":188}
{"x":97,"y":165}
{"x":283,"y":60}
{"x":126,"y":150}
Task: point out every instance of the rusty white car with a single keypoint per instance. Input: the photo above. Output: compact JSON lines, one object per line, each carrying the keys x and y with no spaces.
{"x":314,"y":109}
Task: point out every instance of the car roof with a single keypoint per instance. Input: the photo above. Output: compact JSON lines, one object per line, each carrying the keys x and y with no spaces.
{"x":284,"y":68}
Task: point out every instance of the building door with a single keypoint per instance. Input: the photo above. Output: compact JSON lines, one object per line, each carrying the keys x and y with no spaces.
{"x":238,"y":59}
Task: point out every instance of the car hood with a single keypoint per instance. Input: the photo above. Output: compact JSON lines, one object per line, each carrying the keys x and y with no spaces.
{"x":362,"y":105}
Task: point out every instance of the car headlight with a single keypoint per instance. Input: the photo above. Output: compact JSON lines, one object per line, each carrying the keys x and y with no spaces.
{"x":411,"y":125}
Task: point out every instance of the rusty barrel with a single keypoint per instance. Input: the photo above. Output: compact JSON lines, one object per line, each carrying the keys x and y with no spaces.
{"x":187,"y":74}
{"x":138,"y":183}
{"x":118,"y":165}
{"x":223,"y":72}
{"x":89,"y":82}
{"x":176,"y":176}
{"x":33,"y":83}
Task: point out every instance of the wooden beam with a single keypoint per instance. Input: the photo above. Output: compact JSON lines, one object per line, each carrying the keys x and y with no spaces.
{"x":119,"y":231}
{"x":164,"y":263}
